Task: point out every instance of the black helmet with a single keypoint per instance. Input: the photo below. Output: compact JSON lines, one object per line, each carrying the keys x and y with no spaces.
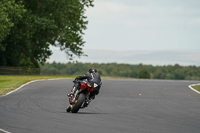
{"x":92,"y":70}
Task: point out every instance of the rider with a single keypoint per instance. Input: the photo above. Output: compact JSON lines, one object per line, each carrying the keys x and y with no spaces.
{"x":93,"y":78}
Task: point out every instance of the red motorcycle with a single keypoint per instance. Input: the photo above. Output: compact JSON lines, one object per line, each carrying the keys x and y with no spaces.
{"x":80,"y":99}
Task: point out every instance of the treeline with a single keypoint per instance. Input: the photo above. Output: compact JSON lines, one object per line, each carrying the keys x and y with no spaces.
{"x":125,"y":70}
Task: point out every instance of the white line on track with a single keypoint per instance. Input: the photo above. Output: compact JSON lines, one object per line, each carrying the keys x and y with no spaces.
{"x":27,"y":84}
{"x":3,"y":131}
{"x":190,"y":86}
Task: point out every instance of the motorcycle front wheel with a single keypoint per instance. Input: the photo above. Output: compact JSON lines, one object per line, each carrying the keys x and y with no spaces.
{"x":68,"y":108}
{"x":78,"y":104}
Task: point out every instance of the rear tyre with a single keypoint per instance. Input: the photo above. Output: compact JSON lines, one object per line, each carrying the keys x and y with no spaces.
{"x":78,"y":104}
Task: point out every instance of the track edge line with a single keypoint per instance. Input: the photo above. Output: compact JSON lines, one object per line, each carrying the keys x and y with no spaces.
{"x":190,"y":86}
{"x":4,"y":131}
{"x":27,"y":84}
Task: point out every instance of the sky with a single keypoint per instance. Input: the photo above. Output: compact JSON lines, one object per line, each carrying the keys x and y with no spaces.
{"x":157,"y":32}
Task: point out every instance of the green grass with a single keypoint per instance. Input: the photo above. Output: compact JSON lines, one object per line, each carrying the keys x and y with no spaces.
{"x":197,"y":87}
{"x":10,"y":82}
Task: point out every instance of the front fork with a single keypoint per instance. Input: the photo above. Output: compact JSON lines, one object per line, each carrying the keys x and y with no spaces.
{"x":73,"y":98}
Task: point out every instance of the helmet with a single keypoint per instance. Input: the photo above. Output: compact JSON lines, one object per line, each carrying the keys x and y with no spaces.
{"x":92,"y":70}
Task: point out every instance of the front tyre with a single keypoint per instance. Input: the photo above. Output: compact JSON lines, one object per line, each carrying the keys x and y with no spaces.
{"x":68,"y":108}
{"x":78,"y":104}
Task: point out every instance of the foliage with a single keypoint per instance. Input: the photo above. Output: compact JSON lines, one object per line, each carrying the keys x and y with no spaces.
{"x":125,"y":70}
{"x":29,"y":27}
{"x":10,"y":11}
{"x":144,"y":74}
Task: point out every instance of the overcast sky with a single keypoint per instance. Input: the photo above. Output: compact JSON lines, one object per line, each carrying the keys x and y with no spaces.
{"x":122,"y":26}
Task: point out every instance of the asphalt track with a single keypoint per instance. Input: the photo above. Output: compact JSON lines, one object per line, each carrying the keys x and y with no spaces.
{"x":123,"y":106}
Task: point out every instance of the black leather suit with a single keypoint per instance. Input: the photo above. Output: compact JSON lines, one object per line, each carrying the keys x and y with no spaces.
{"x":94,"y":80}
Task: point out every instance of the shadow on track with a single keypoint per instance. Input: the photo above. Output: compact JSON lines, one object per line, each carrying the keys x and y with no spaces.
{"x":91,"y":113}
{"x":87,"y":113}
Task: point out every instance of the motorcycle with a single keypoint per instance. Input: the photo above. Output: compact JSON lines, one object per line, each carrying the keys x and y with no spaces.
{"x":80,"y":99}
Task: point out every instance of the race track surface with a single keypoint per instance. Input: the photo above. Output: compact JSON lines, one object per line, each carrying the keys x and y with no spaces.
{"x":123,"y":106}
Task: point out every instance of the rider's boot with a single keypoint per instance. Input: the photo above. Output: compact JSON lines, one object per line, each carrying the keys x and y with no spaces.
{"x":92,"y":97}
{"x":89,"y":100}
{"x":87,"y":103}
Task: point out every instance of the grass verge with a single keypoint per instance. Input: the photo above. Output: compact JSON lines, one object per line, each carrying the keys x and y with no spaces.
{"x":10,"y":82}
{"x":196,"y":87}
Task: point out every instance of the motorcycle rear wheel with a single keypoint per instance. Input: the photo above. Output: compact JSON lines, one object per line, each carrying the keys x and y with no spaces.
{"x":78,"y":104}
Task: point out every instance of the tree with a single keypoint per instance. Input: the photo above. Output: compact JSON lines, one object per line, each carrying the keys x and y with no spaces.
{"x":39,"y":24}
{"x":144,"y":74}
{"x":8,"y":11}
